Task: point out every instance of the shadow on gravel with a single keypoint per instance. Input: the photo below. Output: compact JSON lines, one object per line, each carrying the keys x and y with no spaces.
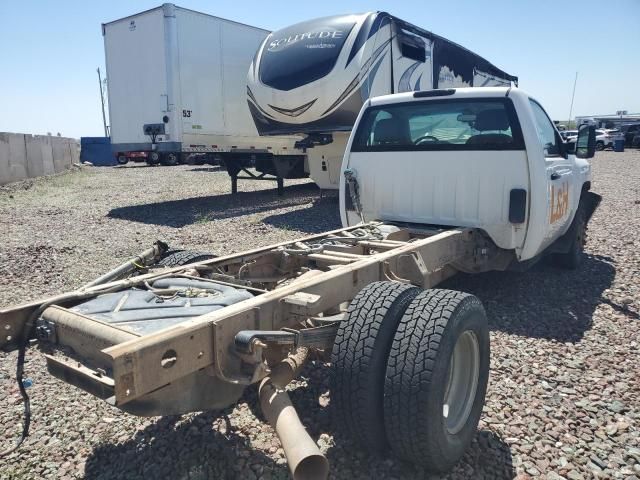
{"x":187,"y":211}
{"x":544,"y":302}
{"x":323,"y":215}
{"x":136,"y":165}
{"x":181,"y":449}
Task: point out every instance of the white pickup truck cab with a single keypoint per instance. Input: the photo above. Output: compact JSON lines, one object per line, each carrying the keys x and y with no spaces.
{"x":489,"y":158}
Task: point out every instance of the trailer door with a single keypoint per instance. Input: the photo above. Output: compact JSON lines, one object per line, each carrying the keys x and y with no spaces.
{"x":136,"y":75}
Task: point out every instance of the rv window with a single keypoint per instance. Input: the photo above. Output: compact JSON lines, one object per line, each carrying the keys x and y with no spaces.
{"x":478,"y":124}
{"x":412,"y":47}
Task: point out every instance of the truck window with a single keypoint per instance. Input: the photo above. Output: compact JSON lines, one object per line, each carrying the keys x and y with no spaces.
{"x":476,"y":124}
{"x":545,"y":129}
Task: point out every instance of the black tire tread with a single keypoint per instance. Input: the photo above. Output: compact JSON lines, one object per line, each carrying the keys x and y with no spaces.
{"x":410,"y":368}
{"x":572,"y":259}
{"x":359,"y":360}
{"x":175,"y":258}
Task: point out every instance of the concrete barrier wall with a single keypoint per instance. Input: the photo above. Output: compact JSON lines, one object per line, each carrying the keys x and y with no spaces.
{"x":27,"y":156}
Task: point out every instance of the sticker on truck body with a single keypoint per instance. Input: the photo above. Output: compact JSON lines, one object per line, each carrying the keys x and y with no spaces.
{"x":559,"y":202}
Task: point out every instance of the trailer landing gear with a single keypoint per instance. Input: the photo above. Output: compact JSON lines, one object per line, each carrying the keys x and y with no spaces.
{"x":234,"y":169}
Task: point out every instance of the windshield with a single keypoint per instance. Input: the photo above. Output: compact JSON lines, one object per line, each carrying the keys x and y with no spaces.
{"x":304,"y":52}
{"x":482,"y":124}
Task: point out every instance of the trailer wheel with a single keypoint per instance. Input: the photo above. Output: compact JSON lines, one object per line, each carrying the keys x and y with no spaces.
{"x":436,"y":378}
{"x":573,"y":257}
{"x":169,"y":159}
{"x":359,"y":359}
{"x":175,"y":258}
{"x":153,"y":158}
{"x":123,"y":159}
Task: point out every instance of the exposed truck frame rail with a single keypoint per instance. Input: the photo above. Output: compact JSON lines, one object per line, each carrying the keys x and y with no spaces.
{"x":298,"y":291}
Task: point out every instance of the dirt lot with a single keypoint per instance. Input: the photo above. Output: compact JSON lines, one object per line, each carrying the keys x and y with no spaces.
{"x":563,"y":398}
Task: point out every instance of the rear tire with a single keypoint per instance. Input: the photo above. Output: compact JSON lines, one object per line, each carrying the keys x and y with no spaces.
{"x":359,"y":358}
{"x":123,"y":159}
{"x":169,"y":159}
{"x":436,"y":378}
{"x":599,"y":146}
{"x":175,"y":258}
{"x":153,"y":158}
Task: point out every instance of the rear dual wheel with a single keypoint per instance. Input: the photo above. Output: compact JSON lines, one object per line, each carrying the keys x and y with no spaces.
{"x":175,"y":258}
{"x":153,"y":158}
{"x":169,"y":159}
{"x":410,"y":371}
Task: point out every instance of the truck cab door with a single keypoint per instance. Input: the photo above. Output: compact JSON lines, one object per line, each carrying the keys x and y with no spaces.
{"x":562,"y":194}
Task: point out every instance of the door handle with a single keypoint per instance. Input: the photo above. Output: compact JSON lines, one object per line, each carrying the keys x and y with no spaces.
{"x":555,"y":176}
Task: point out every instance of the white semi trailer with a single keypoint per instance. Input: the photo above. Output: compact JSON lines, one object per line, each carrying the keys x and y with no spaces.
{"x":177,"y":87}
{"x":313,"y":77}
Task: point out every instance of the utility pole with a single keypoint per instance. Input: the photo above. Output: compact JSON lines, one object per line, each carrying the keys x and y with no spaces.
{"x":573,"y":96}
{"x":104,"y":117}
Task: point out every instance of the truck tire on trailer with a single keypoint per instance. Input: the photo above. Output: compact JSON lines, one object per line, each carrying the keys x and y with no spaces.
{"x":572,"y":258}
{"x":169,"y":159}
{"x":436,"y":378}
{"x":123,"y":159}
{"x":359,"y":358}
{"x":175,"y":258}
{"x":153,"y":158}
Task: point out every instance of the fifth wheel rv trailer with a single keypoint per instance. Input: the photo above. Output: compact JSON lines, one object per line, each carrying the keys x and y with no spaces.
{"x":177,"y":86}
{"x":312,"y":78}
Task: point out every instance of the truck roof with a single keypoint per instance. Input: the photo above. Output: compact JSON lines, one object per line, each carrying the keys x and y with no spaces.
{"x":472,"y":92}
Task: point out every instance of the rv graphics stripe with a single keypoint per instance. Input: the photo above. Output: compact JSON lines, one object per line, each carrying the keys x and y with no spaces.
{"x":253,"y":100}
{"x":294,"y":112}
{"x":403,"y":84}
{"x":366,"y":88}
{"x":368,"y":29}
{"x":363,"y":72}
{"x":417,"y":85}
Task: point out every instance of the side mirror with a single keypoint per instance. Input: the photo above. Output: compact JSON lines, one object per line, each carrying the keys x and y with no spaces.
{"x":586,"y":141}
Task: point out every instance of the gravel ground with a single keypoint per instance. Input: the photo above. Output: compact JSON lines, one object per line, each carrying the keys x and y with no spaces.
{"x":563,"y":394}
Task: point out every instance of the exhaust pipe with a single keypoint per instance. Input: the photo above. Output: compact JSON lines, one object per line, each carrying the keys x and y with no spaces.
{"x":305,"y":460}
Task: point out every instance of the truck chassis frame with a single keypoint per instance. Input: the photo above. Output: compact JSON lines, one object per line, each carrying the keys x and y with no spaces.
{"x":300,"y":288}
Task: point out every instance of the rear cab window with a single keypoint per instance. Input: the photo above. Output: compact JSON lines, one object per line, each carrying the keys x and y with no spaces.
{"x":454,"y":124}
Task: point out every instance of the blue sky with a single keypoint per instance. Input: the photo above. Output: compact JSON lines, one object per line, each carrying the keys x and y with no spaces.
{"x":50,"y":50}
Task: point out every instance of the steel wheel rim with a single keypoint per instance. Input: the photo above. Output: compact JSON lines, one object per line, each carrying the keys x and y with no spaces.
{"x":462,"y":382}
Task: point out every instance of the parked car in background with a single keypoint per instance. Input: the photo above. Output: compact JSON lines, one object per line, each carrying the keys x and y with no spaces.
{"x":631,"y":133}
{"x":569,"y":135}
{"x":604,"y":139}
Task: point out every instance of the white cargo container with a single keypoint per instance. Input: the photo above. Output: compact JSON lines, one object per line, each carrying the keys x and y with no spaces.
{"x":182,"y":74}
